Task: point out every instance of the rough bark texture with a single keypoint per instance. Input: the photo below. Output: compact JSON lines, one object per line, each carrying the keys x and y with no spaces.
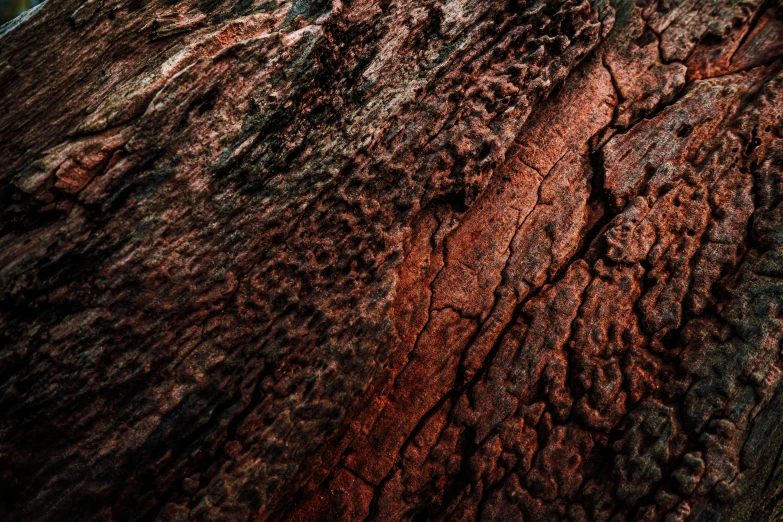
{"x":380,"y":260}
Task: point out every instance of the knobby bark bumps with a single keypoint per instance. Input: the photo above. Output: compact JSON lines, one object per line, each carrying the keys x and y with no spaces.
{"x":378,"y":260}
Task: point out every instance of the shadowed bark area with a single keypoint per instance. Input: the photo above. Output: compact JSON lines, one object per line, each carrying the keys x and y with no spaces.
{"x":497,"y":260}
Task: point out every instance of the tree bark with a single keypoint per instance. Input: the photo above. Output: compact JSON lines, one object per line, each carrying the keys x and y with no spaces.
{"x":375,"y":260}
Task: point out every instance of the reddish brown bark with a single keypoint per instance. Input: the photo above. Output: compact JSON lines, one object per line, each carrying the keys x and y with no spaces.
{"x":371,"y":260}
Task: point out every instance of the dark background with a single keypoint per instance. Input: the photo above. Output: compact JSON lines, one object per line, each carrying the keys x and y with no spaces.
{"x":10,"y":9}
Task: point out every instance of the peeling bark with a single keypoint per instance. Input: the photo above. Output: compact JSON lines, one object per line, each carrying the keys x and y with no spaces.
{"x":370,"y":260}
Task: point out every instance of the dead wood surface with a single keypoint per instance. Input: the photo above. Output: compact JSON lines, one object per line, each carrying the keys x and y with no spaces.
{"x":498,"y":260}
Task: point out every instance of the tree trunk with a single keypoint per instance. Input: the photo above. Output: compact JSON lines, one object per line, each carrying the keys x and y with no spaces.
{"x":376,"y":260}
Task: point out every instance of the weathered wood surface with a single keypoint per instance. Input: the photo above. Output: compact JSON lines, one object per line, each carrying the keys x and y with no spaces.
{"x":377,"y":260}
